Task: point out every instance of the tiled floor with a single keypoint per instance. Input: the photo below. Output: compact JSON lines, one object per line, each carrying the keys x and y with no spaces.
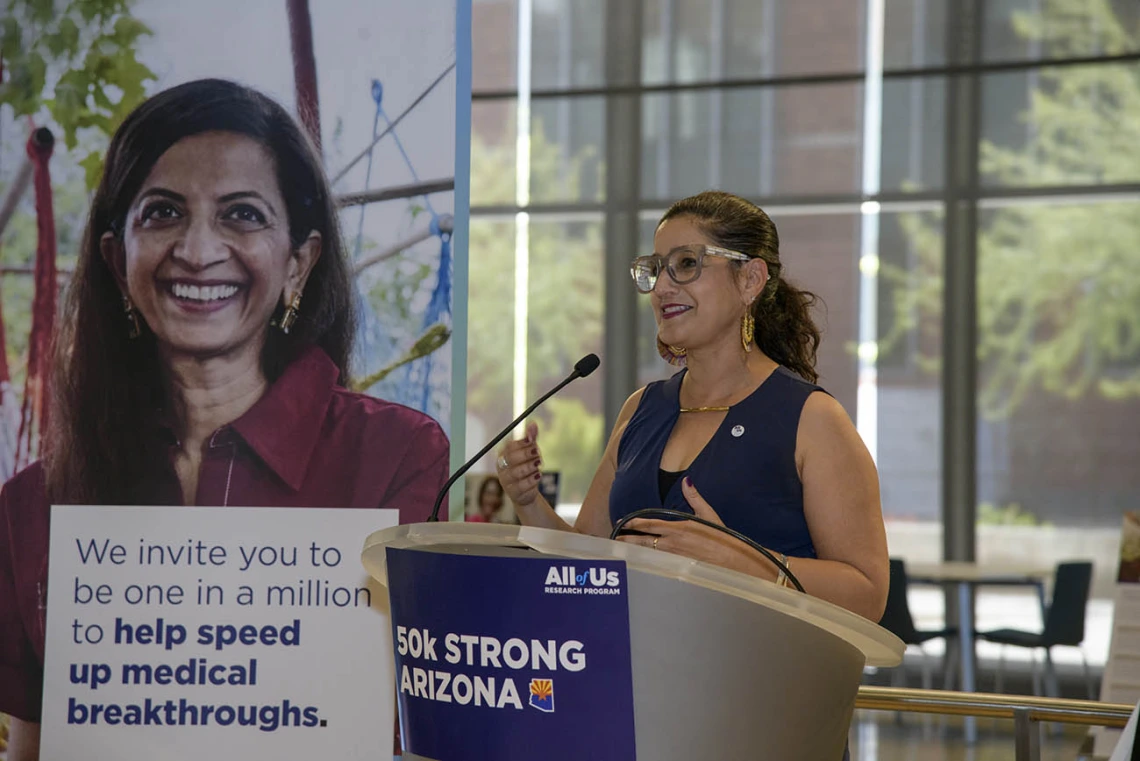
{"x":875,"y":736}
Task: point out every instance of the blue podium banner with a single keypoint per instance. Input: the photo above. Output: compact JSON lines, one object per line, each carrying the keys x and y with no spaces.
{"x":511,"y":658}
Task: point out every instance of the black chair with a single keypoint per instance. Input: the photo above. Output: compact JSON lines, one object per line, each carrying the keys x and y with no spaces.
{"x":1063,"y":624}
{"x":898,"y":620}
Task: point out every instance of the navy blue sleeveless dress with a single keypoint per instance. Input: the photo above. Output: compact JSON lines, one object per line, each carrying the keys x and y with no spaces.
{"x":747,"y":471}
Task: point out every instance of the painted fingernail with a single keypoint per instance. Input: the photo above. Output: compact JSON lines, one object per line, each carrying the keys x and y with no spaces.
{"x":534,"y":452}
{"x":537,"y":476}
{"x":689,"y":482}
{"x":538,"y":463}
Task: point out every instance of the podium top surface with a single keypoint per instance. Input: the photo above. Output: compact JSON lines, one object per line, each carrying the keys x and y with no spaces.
{"x":879,"y":647}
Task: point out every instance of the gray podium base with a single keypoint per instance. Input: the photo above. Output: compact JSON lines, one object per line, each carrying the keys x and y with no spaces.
{"x":715,"y":676}
{"x":719,"y":677}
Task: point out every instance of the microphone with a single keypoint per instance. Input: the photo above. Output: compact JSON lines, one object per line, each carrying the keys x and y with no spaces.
{"x":582,"y":368}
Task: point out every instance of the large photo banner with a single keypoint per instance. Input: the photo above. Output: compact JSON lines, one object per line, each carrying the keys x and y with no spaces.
{"x":232,"y":274}
{"x":175,"y":634}
{"x":383,"y":90}
{"x":538,"y":667}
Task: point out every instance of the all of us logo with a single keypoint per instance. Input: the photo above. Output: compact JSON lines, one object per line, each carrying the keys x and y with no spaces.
{"x":568,"y":576}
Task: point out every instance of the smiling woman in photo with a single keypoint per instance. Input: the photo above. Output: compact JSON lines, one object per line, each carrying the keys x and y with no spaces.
{"x":203,"y":354}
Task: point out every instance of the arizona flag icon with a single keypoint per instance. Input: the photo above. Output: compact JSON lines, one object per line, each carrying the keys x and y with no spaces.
{"x":542,"y":694}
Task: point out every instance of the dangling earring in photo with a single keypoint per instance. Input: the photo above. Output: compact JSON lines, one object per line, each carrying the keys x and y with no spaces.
{"x":134,"y":330}
{"x":290,"y":316}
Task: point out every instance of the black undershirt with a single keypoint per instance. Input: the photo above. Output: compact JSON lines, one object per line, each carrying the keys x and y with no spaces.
{"x":666,"y":479}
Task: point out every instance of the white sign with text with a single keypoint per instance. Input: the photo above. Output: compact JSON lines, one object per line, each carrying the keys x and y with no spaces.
{"x":177,"y":632}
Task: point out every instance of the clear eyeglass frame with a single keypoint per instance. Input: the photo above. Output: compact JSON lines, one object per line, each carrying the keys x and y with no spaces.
{"x":645,"y":270}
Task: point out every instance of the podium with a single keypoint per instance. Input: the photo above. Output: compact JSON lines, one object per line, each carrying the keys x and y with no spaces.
{"x":724,"y":665}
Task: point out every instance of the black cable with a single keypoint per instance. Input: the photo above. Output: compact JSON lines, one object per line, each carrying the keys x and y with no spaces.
{"x":659,"y":512}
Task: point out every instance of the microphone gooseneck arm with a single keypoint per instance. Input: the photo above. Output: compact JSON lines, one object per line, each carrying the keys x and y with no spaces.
{"x":584,"y":367}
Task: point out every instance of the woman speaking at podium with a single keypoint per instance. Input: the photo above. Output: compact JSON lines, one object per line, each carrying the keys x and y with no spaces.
{"x":741,"y":436}
{"x":202,"y":353}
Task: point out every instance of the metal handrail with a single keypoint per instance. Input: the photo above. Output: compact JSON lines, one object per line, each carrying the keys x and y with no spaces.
{"x":1026,"y":712}
{"x":1089,"y":712}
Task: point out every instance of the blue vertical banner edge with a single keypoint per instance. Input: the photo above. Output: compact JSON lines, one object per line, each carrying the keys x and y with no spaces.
{"x":461,"y":253}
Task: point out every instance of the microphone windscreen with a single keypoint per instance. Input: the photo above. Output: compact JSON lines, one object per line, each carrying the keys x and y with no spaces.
{"x":587,"y":365}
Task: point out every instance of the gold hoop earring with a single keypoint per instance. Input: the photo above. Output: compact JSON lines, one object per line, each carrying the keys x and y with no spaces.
{"x":674,"y":355}
{"x":135,"y":329}
{"x":290,"y":316}
{"x":747,"y":330}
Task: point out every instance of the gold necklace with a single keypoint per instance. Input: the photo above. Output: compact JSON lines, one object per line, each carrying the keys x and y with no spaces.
{"x":713,"y":408}
{"x":704,"y":409}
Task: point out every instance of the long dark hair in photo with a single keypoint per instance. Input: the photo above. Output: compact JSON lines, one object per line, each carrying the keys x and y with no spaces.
{"x":109,"y":391}
{"x":785,"y":329}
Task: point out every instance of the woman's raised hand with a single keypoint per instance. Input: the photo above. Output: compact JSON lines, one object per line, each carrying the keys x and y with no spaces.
{"x":518,"y":466}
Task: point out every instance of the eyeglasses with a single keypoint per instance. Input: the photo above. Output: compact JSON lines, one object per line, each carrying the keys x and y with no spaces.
{"x":682,"y":263}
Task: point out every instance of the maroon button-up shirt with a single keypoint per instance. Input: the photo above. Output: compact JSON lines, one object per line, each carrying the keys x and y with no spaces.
{"x":307,"y":443}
